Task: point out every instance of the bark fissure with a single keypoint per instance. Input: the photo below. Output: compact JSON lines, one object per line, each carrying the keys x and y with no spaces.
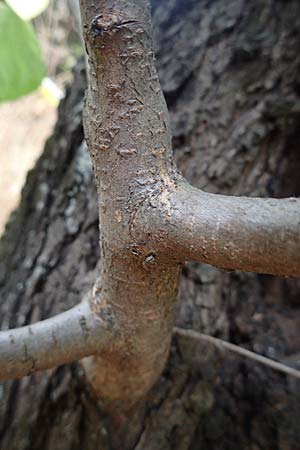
{"x":158,"y":221}
{"x":151,"y":221}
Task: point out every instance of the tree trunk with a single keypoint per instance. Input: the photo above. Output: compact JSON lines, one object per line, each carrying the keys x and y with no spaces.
{"x":230,"y":74}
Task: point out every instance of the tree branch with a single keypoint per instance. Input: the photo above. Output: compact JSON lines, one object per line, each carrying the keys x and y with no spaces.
{"x":64,"y":338}
{"x":224,"y":345}
{"x":236,"y":233}
{"x":127,"y":130}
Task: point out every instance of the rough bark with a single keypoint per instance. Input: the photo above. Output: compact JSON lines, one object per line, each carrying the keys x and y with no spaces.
{"x":246,"y":143}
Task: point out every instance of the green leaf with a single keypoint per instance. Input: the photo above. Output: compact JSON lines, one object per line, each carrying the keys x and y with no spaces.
{"x":21,"y":63}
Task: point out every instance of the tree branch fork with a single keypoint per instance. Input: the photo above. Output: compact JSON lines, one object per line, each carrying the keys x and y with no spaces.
{"x":235,"y":233}
{"x":151,"y":221}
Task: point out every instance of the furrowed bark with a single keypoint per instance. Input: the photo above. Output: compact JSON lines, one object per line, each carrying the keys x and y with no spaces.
{"x":61,"y":339}
{"x":208,"y":398}
{"x":151,"y":221}
{"x":236,"y":233}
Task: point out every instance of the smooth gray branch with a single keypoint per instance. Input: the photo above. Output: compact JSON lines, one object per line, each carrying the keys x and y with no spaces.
{"x":64,"y":338}
{"x":249,"y":234}
{"x":234,"y":233}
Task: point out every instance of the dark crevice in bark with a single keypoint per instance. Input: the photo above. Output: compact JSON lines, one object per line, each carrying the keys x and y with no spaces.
{"x":205,"y":399}
{"x":172,"y":96}
{"x":11,"y":402}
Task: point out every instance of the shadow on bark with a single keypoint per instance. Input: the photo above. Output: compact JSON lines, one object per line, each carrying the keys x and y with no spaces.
{"x":230,"y":72}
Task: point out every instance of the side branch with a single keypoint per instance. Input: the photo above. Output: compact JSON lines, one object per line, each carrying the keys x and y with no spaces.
{"x":64,"y":338}
{"x":220,"y":344}
{"x":234,"y":233}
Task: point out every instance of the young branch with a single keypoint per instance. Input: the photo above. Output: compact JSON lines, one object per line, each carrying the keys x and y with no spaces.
{"x":64,"y":338}
{"x":151,"y":221}
{"x":234,"y":233}
{"x":224,"y":345}
{"x":128,"y":135}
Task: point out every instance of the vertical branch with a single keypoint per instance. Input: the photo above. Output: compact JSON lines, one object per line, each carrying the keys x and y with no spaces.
{"x":127,"y":130}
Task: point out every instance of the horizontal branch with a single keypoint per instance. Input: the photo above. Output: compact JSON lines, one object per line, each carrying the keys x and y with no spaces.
{"x":224,"y":345}
{"x":64,"y":338}
{"x":234,"y":233}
